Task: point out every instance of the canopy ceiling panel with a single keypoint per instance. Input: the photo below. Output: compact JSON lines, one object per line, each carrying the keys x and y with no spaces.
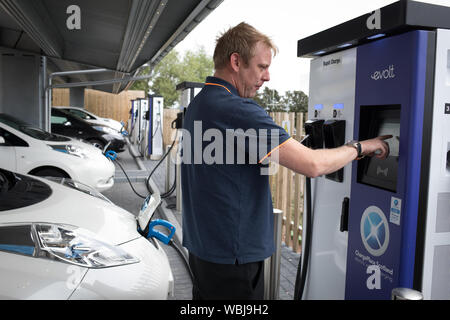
{"x":119,"y":35}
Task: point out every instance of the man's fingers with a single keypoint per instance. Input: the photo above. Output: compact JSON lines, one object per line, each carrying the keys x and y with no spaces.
{"x":384,"y":152}
{"x":385,"y":137}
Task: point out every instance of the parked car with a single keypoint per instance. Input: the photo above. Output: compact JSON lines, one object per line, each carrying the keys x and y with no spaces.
{"x":30,"y":150}
{"x":67,"y":124}
{"x":60,"y":243}
{"x":92,"y":118}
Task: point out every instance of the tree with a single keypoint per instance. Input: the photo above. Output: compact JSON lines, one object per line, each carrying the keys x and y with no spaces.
{"x":166,"y":76}
{"x":296,"y":101}
{"x":195,"y":66}
{"x":270,"y":100}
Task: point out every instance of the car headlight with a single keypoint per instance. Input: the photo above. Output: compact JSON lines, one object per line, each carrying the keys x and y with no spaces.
{"x":69,"y":149}
{"x":105,"y":129}
{"x":79,"y":246}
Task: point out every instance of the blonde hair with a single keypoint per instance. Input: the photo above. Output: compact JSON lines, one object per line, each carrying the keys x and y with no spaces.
{"x":240,"y":39}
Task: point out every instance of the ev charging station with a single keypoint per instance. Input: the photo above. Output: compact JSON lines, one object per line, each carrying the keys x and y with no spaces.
{"x":135,"y":120}
{"x":154,"y":136}
{"x":146,"y":118}
{"x":142,"y":135}
{"x":188,"y":91}
{"x":132,"y":120}
{"x":377,"y":224}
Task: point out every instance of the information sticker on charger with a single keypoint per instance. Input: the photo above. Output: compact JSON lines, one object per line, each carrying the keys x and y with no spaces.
{"x":396,"y":210}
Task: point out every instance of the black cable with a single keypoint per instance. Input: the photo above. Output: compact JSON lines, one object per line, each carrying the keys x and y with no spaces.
{"x":159,"y":163}
{"x":186,"y":262}
{"x":131,"y":185}
{"x":172,"y":188}
{"x":302,"y":270}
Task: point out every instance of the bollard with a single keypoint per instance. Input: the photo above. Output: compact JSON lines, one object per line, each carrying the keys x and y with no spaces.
{"x":272,"y":264}
{"x":406,"y":294}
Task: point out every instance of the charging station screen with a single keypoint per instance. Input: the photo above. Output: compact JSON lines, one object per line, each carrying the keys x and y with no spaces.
{"x":378,"y":121}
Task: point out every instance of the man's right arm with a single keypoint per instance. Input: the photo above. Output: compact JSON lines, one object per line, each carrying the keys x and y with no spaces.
{"x":313,"y":163}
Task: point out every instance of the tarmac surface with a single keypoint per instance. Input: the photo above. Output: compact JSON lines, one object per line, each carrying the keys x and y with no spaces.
{"x":138,"y":168}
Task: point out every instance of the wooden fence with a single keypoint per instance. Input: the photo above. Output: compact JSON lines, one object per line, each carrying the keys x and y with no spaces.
{"x":287,"y":187}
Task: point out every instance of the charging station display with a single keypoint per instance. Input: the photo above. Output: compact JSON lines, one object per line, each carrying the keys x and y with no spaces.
{"x":380,"y":120}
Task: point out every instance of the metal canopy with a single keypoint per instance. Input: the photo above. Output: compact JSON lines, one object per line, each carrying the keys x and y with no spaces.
{"x":119,"y":35}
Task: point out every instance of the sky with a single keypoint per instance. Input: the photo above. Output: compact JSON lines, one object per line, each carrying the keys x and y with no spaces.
{"x":286,"y":22}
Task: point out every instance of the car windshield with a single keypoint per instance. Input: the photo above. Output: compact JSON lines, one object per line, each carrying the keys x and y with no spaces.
{"x":83,"y":115}
{"x":29,"y":130}
{"x":19,"y":191}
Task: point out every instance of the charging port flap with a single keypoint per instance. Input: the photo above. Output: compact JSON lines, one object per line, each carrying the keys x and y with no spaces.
{"x":148,"y":208}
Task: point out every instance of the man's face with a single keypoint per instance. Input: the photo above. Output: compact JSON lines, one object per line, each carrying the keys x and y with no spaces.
{"x":253,"y":76}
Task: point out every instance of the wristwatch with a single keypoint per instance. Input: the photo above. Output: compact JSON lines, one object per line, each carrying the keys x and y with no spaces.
{"x":357,"y":145}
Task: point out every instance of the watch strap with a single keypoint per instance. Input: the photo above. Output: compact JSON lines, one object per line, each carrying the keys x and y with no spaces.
{"x":357,"y":145}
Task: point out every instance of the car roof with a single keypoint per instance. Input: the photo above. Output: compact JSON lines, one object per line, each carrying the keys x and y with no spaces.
{"x":76,"y":108}
{"x":72,"y":116}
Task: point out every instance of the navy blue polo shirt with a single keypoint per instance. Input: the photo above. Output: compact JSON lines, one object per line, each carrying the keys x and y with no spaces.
{"x":226,"y":200}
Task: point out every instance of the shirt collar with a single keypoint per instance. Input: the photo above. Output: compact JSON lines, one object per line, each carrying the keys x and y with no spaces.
{"x":221,"y":82}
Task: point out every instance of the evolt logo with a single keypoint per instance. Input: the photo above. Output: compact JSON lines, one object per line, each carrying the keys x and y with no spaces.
{"x":387,"y":73}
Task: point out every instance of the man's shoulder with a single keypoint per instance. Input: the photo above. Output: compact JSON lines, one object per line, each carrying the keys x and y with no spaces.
{"x":250,"y":105}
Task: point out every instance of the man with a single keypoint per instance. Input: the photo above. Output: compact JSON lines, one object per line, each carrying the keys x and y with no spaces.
{"x":227,"y":205}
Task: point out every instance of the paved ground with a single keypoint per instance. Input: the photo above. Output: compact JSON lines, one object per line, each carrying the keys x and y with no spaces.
{"x":122,"y":194}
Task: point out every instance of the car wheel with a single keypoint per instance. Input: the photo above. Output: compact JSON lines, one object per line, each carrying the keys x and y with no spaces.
{"x":50,"y":172}
{"x":97,"y":143}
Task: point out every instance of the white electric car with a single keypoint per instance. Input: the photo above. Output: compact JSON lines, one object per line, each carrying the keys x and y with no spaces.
{"x":29,"y":150}
{"x":60,"y":243}
{"x":92,"y":118}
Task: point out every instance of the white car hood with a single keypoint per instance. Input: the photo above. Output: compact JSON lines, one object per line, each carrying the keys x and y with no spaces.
{"x":87,"y":147}
{"x":68,"y":206}
{"x":116,"y":125}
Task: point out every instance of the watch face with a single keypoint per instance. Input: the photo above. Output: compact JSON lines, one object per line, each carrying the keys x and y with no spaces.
{"x":357,"y":145}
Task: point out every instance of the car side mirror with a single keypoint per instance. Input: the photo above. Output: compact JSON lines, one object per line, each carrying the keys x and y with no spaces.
{"x":67,"y":123}
{"x":2,"y":140}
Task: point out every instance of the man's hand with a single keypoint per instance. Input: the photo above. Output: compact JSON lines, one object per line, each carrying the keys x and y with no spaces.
{"x":376,"y":147}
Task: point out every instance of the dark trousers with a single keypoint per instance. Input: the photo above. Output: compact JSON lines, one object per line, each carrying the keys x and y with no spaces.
{"x":214,"y":281}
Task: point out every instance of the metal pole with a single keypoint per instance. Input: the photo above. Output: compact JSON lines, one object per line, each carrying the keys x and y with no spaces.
{"x":272,"y":264}
{"x":276,"y":258}
{"x":99,"y":82}
{"x":67,"y":73}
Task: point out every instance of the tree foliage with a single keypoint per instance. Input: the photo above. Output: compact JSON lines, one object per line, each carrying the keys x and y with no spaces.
{"x":292,"y":101}
{"x":194,"y":66}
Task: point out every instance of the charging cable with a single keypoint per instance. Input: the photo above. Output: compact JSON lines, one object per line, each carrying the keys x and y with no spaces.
{"x":302,"y":269}
{"x":111,"y":155}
